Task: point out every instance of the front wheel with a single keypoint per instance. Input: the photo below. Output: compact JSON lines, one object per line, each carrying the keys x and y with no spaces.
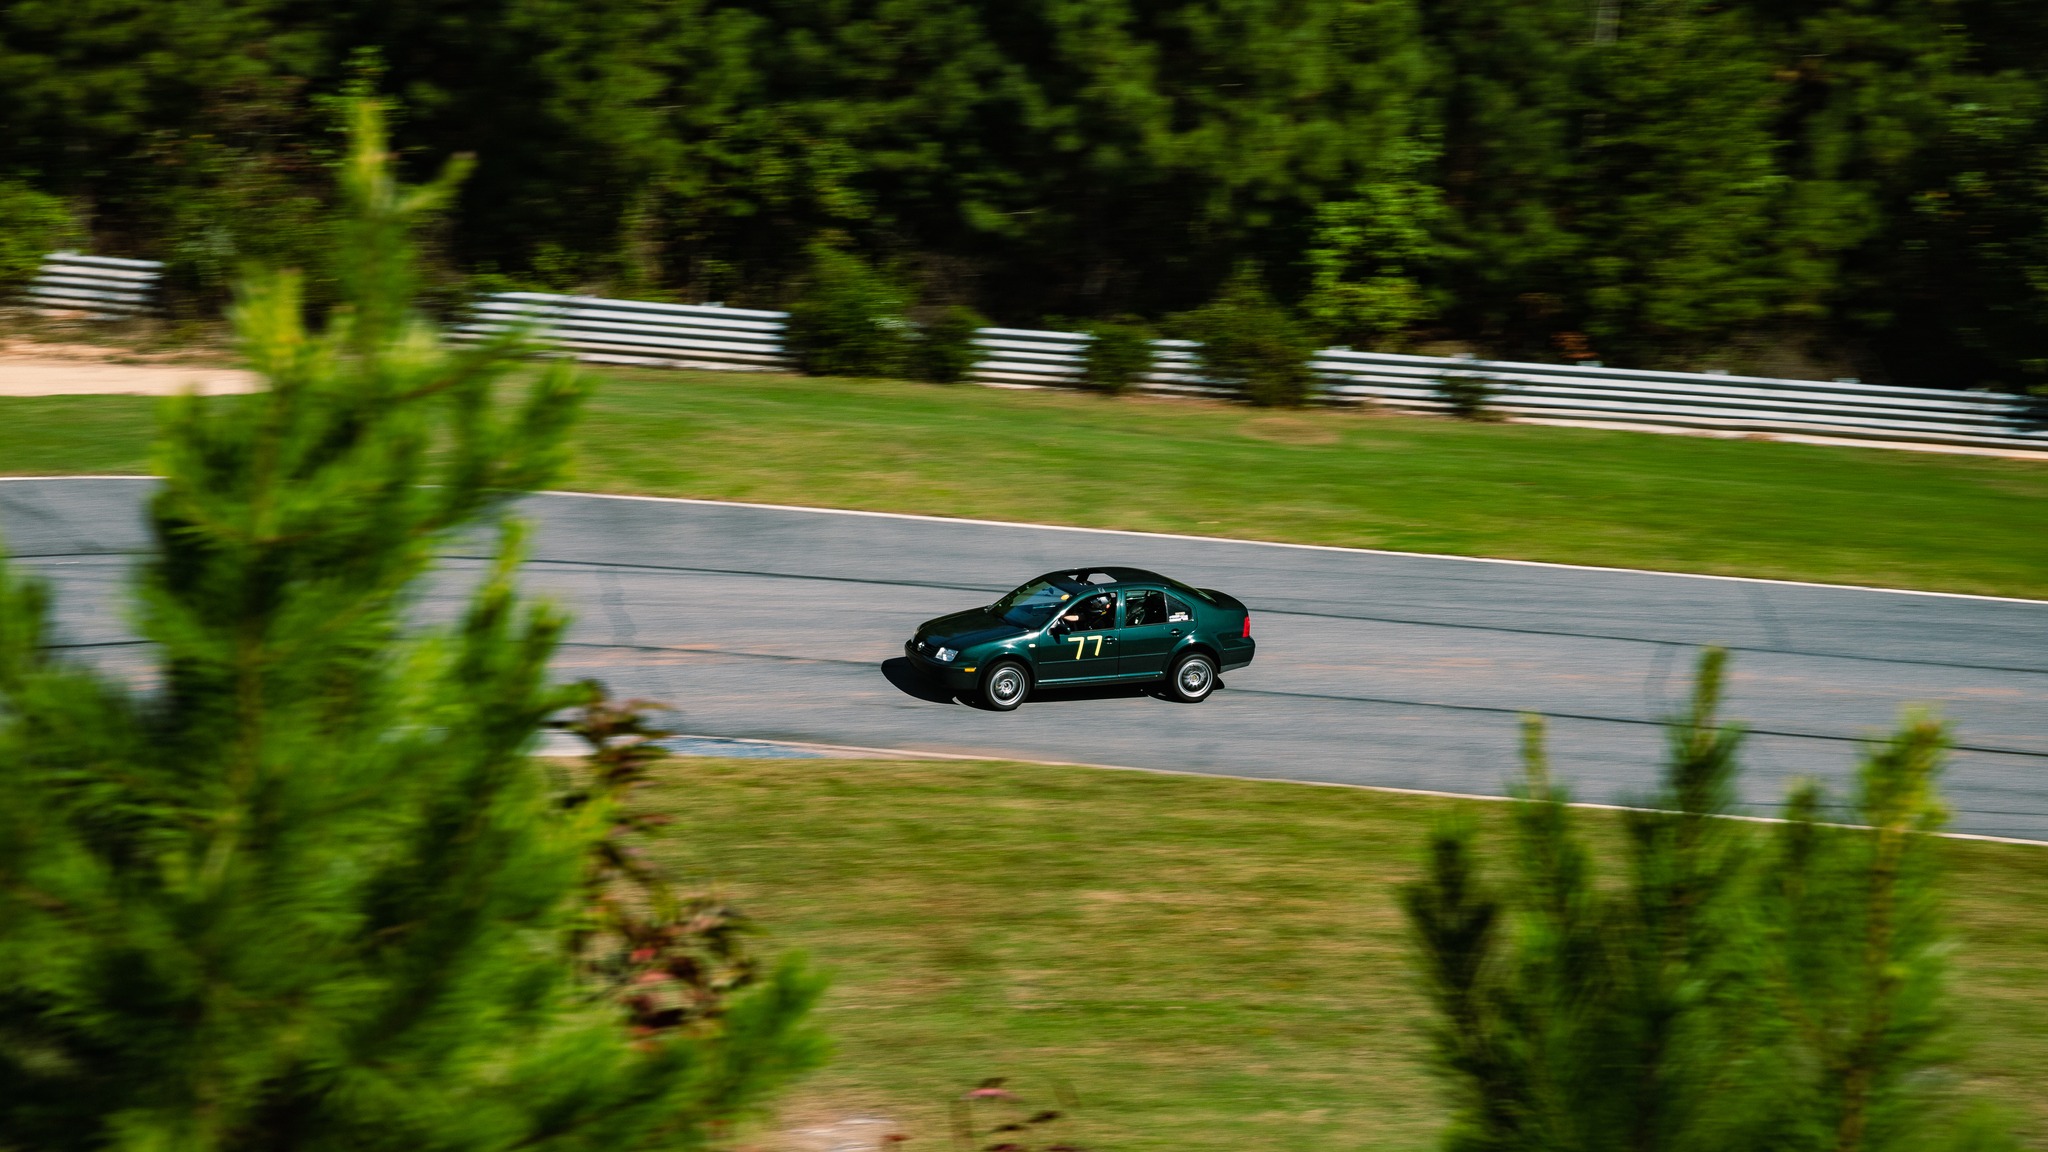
{"x":1194,"y":677}
{"x":1004,"y":686}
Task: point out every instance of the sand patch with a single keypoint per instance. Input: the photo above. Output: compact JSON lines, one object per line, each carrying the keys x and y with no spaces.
{"x":33,"y":368}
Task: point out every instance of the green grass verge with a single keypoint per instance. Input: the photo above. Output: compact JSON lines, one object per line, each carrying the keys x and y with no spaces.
{"x":1735,"y":507}
{"x":1211,"y":964}
{"x":60,"y":435}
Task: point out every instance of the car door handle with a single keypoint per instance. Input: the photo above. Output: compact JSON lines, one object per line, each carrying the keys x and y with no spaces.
{"x":1176,"y":631}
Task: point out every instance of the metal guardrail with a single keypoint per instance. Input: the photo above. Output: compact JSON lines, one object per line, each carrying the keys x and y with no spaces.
{"x":97,"y":287}
{"x":637,"y":331}
{"x":710,"y":336}
{"x":1707,"y":401}
{"x":1016,"y":357}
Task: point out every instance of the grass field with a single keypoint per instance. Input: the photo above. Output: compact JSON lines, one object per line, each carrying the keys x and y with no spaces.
{"x":1737,"y":507}
{"x":1210,"y":964}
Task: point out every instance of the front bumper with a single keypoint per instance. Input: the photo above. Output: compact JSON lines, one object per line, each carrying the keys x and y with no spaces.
{"x":955,"y":675}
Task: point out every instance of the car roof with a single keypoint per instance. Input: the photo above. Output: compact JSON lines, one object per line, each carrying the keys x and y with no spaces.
{"x":1118,"y":574}
{"x":1088,"y":575}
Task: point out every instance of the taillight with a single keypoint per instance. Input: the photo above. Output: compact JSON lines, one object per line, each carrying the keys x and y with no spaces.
{"x":1247,"y":633}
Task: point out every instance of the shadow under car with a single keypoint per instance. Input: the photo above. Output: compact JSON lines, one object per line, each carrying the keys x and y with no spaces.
{"x":909,"y":680}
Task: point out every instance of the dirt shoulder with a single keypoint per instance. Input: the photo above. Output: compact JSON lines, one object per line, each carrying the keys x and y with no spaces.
{"x":43,"y":368}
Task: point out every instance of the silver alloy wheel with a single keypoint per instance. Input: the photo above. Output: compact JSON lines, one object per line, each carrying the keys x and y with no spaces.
{"x":1005,"y":687}
{"x":1193,"y":678}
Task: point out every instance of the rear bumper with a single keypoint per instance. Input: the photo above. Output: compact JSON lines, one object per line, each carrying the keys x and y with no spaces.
{"x":1239,"y":654}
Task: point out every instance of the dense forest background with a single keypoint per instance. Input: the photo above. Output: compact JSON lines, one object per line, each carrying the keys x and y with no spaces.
{"x":1853,"y":187}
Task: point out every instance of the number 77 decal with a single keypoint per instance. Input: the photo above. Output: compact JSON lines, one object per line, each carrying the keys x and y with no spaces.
{"x":1081,"y":642}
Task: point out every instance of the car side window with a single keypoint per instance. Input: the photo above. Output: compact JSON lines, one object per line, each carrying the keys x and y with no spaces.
{"x":1177,"y":612}
{"x":1092,"y":614}
{"x":1142,"y":608}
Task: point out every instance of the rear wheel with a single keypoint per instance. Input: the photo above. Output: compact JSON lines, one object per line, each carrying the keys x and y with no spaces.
{"x":1194,"y":677}
{"x":1004,"y":686}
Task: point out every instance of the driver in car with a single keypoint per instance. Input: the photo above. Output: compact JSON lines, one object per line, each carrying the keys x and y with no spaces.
{"x":1092,"y":614}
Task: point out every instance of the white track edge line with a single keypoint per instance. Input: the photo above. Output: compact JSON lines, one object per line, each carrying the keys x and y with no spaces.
{"x":852,"y":751}
{"x":1551,"y":564}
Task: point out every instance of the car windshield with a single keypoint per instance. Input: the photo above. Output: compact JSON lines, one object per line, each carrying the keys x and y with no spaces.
{"x":1033,"y":604}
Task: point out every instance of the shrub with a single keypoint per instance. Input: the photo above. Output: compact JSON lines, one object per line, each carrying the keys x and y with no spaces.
{"x":1251,"y":345}
{"x":1467,"y":395}
{"x":2034,"y":407}
{"x":848,"y":318}
{"x":32,"y":225}
{"x":946,"y":352}
{"x":1118,"y":356}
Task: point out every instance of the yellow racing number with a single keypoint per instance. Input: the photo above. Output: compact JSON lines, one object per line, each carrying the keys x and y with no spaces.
{"x":1081,"y":642}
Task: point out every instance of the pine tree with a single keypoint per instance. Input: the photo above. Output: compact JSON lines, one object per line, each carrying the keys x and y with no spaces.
{"x":1705,"y":1003}
{"x":1369,"y":255}
{"x":1856,"y":950}
{"x":1677,"y":181}
{"x":1607,"y":1022}
{"x":1863,"y":85}
{"x":306,"y":888}
{"x":1971,"y":254}
{"x":1507,"y":83}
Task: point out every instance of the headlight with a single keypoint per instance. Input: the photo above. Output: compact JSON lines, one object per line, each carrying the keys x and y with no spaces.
{"x":945,"y":655}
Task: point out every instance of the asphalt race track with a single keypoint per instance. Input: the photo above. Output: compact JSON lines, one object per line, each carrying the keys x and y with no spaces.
{"x":1390,"y":670}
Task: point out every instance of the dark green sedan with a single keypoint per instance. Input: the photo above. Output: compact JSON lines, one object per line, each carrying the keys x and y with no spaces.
{"x":1087,"y":626}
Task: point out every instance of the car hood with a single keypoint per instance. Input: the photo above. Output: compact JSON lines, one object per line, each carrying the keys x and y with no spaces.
{"x":963,"y":630}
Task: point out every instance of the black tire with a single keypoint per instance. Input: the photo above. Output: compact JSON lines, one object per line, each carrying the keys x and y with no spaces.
{"x":1004,"y":686}
{"x":1193,"y":678}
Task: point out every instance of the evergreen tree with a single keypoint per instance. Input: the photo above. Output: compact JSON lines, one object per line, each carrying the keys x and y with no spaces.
{"x":1635,"y":180}
{"x":1507,"y":82}
{"x":1855,"y":953}
{"x":1704,"y":1003}
{"x":1863,"y":88}
{"x":1369,"y":256}
{"x":306,"y":889}
{"x":1677,"y":185}
{"x":1970,"y":255}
